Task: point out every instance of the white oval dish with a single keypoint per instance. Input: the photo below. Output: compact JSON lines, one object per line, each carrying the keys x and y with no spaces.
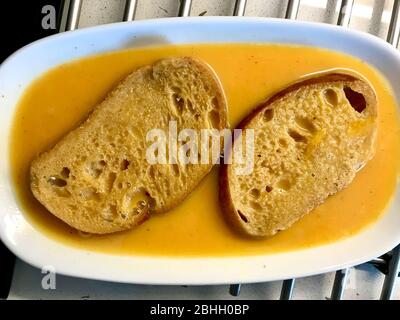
{"x":17,"y":72}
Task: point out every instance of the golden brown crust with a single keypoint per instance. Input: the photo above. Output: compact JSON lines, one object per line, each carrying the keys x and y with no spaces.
{"x":329,"y":77}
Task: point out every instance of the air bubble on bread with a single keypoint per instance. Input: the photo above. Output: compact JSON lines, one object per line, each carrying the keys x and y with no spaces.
{"x":331,"y":97}
{"x":112,"y":176}
{"x":214,"y":103}
{"x":142,"y":204}
{"x":109,"y":213}
{"x":178,"y":102}
{"x":175,"y":169}
{"x":255,"y":193}
{"x":84,"y":234}
{"x":65,"y":172}
{"x":124,"y":165}
{"x":268,"y":115}
{"x":242,"y":216}
{"x":356,"y":99}
{"x":56,"y":181}
{"x":305,"y":124}
{"x":284,"y":184}
{"x":62,"y":192}
{"x":255,"y":205}
{"x":265,"y":164}
{"x":95,"y":168}
{"x":190,"y":107}
{"x":283,"y":142}
{"x":136,"y":132}
{"x":136,"y":201}
{"x":296,"y":136}
{"x":151,"y":172}
{"x":213,"y":118}
{"x":268,"y":188}
{"x":90,"y":193}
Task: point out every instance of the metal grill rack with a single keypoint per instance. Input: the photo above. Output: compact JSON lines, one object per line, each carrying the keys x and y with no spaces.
{"x":388,"y":263}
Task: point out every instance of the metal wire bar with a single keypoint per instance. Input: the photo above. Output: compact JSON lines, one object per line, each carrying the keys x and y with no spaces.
{"x":394,"y":27}
{"x":339,"y":284}
{"x":390,"y":278}
{"x":346,"y":7}
{"x":130,"y":10}
{"x":234,"y":289}
{"x":292,"y":9}
{"x":74,"y":11}
{"x":287,"y":289}
{"x":184,"y":8}
{"x":377,"y":261}
{"x":240,"y":8}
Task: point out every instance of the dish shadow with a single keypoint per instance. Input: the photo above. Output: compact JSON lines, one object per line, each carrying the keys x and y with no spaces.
{"x":145,"y":41}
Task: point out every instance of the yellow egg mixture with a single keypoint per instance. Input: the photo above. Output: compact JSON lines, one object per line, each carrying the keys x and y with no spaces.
{"x":61,"y":98}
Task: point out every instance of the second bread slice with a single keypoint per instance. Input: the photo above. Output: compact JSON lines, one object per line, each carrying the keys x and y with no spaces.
{"x":310,"y":140}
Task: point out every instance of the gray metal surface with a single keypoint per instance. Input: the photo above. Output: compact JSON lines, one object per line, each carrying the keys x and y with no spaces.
{"x":394,"y":27}
{"x":346,"y":7}
{"x":74,"y":11}
{"x":234,"y":289}
{"x":339,"y":284}
{"x":392,"y":276}
{"x":184,"y":8}
{"x":130,"y":10}
{"x":240,"y":8}
{"x":287,"y":289}
{"x":292,"y":9}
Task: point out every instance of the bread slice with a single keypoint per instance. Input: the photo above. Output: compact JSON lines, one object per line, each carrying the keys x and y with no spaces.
{"x":97,"y":178}
{"x":310,"y":140}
